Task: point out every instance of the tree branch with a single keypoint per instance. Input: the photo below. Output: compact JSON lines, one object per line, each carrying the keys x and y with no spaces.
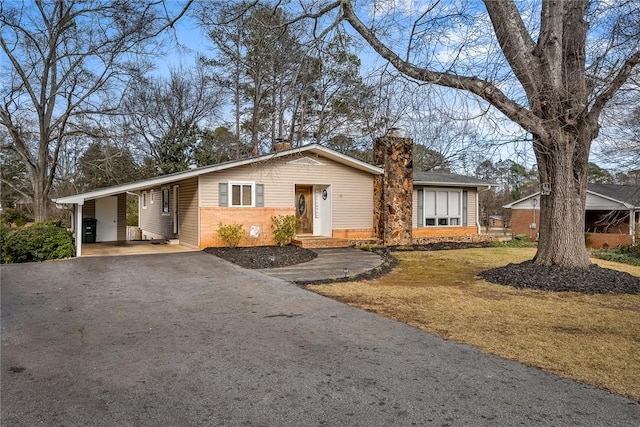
{"x":482,"y":88}
{"x":621,"y":77}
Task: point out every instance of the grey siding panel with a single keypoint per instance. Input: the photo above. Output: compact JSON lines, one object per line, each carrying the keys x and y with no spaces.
{"x":152,"y":219}
{"x":260,"y":195}
{"x":421,"y":208}
{"x":188,"y":212}
{"x":223,"y":194}
{"x":351,"y":189}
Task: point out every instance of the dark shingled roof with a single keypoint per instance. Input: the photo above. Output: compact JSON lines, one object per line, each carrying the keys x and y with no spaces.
{"x":629,"y":194}
{"x":431,"y":178}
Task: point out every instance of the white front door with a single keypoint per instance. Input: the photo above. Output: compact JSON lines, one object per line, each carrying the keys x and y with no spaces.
{"x":107,"y":216}
{"x":322,"y":210}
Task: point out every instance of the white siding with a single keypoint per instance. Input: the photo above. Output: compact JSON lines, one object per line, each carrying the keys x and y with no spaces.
{"x":351,"y":189}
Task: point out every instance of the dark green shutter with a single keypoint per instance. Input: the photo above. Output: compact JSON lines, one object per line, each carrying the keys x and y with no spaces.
{"x":421,"y":208}
{"x":223,"y":194}
{"x":260,"y":195}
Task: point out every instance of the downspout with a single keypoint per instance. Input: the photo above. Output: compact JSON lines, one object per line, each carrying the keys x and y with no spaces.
{"x":478,"y":226}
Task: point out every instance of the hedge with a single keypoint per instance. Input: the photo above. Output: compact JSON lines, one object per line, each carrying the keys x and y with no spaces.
{"x":39,"y":242}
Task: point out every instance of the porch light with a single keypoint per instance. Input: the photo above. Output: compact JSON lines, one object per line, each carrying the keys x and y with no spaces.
{"x":345,"y":271}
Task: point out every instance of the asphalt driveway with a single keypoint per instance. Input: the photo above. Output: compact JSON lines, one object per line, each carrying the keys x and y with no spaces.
{"x":189,"y":339}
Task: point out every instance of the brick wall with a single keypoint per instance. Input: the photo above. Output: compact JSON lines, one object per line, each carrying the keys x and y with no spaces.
{"x":600,"y":240}
{"x":443,"y":231}
{"x":211,"y":217}
{"x":365,"y":233}
{"x":521,"y":219}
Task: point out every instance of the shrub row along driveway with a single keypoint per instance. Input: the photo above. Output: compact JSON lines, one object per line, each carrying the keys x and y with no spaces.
{"x":189,"y":339}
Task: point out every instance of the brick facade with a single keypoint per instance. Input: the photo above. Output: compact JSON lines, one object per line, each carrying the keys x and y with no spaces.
{"x":521,"y":220}
{"x":605,"y":240}
{"x":443,"y":231}
{"x":210,"y":218}
{"x":354,"y":234}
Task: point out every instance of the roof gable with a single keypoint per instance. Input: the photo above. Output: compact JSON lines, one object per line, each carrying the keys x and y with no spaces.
{"x":305,"y":161}
{"x":179,"y":176}
{"x":628,"y":194}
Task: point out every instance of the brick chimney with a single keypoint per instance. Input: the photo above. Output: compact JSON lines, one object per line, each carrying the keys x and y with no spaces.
{"x":393,"y":191}
{"x":280,"y":145}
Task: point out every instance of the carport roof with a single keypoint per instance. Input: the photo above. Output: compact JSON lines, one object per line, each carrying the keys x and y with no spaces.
{"x":166,"y":179}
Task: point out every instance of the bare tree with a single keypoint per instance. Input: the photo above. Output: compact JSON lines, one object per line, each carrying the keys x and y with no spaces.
{"x":563,"y":80}
{"x":165,"y":115}
{"x":64,"y":64}
{"x":620,"y":147}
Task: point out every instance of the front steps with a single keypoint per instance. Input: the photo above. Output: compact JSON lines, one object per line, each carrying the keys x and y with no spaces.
{"x":318,"y":242}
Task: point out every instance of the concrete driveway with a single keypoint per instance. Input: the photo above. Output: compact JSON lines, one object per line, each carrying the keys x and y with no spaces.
{"x":189,"y":339}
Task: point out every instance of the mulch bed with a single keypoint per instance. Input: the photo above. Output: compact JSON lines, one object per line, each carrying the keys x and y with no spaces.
{"x":259,"y":257}
{"x":526,"y":275}
{"x":594,"y":280}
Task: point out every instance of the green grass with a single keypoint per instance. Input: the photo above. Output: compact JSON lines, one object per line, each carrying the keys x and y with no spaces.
{"x":626,"y":254}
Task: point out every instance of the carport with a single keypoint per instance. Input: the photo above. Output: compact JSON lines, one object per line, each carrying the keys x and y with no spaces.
{"x":108,"y":206}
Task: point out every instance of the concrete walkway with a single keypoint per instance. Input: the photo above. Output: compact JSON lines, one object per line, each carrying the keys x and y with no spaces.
{"x":330,"y":264}
{"x":140,"y":247}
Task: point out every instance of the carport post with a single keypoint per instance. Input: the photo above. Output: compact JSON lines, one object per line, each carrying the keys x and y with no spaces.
{"x":632,"y":226}
{"x":79,"y":229}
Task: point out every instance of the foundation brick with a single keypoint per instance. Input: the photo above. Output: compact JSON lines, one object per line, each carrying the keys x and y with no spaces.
{"x":210,"y":218}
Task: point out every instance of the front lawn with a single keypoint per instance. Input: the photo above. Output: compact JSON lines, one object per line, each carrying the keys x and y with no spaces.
{"x":590,"y":338}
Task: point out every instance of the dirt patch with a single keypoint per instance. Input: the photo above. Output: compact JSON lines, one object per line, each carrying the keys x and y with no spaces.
{"x":593,"y":280}
{"x":259,"y":257}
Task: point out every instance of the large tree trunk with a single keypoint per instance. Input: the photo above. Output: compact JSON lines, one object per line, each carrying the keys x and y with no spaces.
{"x":561,"y":228}
{"x":40,"y":195}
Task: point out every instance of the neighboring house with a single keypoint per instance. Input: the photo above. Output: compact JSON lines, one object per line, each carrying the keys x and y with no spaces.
{"x":612,"y":213}
{"x":497,"y":221}
{"x":332,"y":195}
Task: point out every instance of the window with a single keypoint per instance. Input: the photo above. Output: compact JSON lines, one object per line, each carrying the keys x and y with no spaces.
{"x":241,"y":193}
{"x":441,"y":208}
{"x":144,"y":200}
{"x":165,"y":200}
{"x":151,"y":196}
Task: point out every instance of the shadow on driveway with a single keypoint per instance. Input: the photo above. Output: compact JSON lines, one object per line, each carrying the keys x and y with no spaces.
{"x":189,"y":339}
